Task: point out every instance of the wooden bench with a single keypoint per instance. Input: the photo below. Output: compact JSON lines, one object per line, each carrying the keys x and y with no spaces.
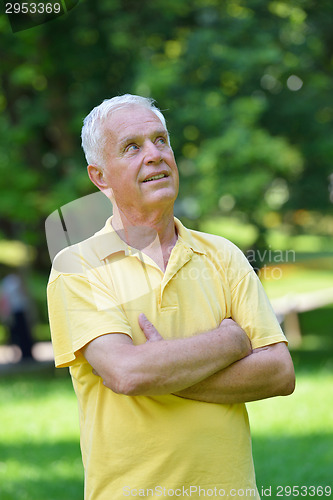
{"x":289,"y":306}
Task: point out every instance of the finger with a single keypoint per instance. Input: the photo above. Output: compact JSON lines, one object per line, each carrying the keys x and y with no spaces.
{"x":148,"y":328}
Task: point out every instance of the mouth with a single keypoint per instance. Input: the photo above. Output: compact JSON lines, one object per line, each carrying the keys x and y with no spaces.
{"x":155,"y":177}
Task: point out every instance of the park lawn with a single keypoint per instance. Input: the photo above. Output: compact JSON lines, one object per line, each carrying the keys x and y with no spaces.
{"x":39,"y":436}
{"x":292,"y":279}
{"x":293,"y":436}
{"x":39,"y":439}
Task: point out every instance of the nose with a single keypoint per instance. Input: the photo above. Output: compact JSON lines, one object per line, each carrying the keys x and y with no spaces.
{"x":152,"y":153}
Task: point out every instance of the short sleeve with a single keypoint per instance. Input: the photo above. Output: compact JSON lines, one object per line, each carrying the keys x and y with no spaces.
{"x":79,"y":312}
{"x":251,"y":309}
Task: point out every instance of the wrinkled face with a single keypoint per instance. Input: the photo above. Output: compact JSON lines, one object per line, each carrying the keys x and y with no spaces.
{"x":140,"y":167}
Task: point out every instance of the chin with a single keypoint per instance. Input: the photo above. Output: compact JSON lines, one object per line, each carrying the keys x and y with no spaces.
{"x":163,"y":196}
{"x":160,"y":201}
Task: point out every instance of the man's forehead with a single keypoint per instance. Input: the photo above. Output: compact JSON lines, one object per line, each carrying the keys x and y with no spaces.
{"x":131,"y":119}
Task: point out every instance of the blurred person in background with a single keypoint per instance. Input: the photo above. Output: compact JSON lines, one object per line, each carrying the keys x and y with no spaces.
{"x":15,"y":312}
{"x":167,"y":331}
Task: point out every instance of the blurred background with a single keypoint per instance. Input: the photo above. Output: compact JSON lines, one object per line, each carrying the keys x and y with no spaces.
{"x":246,"y":88}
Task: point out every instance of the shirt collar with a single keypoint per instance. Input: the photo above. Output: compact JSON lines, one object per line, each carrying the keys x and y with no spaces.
{"x":108,"y":242}
{"x":187,"y":238}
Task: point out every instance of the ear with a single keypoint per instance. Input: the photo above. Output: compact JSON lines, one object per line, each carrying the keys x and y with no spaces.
{"x":96,"y":176}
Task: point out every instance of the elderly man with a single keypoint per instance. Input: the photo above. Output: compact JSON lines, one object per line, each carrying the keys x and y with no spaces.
{"x":167,"y":331}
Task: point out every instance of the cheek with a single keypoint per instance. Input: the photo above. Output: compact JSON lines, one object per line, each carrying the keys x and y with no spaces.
{"x":173,"y":161}
{"x":123,"y":186}
{"x":174,"y":168}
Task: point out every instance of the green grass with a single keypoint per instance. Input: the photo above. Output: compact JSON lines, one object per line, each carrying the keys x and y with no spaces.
{"x":39,"y":435}
{"x":293,"y":436}
{"x":280,"y":280}
{"x":39,"y":439}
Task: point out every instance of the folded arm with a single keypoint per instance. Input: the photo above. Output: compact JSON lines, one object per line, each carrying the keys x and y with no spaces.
{"x":266,"y":372}
{"x":164,"y":366}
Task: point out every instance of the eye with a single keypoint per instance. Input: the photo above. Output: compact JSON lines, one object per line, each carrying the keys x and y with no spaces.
{"x":131,"y":148}
{"x":161,"y":141}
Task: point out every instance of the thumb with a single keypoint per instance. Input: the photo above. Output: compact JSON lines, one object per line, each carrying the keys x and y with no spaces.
{"x":148,"y":329}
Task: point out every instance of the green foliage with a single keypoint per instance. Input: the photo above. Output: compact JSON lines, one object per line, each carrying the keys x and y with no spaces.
{"x":247,"y":93}
{"x":246,"y":87}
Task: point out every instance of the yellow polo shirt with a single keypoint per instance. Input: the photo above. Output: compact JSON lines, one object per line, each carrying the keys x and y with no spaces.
{"x":156,"y":446}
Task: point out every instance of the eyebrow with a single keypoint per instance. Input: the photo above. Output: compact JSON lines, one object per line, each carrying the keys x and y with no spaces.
{"x":136,"y":138}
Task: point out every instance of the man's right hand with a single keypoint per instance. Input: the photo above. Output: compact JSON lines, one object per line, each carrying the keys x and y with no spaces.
{"x":229,"y":327}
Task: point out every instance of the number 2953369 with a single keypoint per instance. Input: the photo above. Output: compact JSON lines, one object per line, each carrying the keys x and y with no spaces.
{"x":303,"y":491}
{"x":32,"y":8}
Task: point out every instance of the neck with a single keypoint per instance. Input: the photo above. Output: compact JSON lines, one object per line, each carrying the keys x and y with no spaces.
{"x":154,"y":233}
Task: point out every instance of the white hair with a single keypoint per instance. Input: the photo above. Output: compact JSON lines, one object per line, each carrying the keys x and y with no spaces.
{"x":93,"y":131}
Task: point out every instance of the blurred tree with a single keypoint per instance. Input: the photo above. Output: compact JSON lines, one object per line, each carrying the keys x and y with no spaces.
{"x":246,"y":87}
